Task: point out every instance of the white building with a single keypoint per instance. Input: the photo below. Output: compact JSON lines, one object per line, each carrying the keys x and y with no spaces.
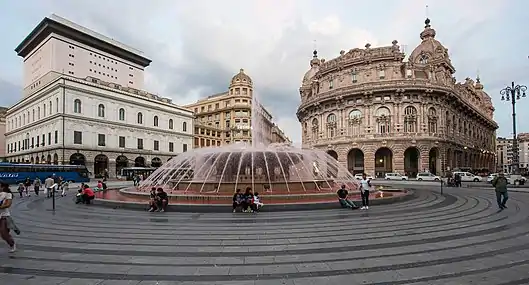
{"x":76,"y":116}
{"x":504,"y":154}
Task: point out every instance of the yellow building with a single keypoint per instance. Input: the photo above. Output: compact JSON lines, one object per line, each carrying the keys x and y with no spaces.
{"x":226,"y":117}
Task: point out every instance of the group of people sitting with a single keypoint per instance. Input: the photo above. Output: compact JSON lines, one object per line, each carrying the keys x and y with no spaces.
{"x":248,"y":202}
{"x":158,"y":200}
{"x":84,"y":195}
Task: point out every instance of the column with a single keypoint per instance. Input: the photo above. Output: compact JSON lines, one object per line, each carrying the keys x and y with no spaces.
{"x":369,"y":162}
{"x":398,"y":160}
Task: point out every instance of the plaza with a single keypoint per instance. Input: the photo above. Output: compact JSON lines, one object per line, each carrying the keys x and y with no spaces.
{"x":455,"y":238}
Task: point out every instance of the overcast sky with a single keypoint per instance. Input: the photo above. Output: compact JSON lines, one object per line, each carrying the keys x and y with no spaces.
{"x":197,"y":46}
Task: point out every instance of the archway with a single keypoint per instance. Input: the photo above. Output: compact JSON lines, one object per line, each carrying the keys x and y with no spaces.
{"x":121,"y":162}
{"x":139,"y":162}
{"x":32,"y":160}
{"x":156,"y":162}
{"x":43,"y":159}
{"x":383,"y":161}
{"x":434,"y":161}
{"x":411,"y":162}
{"x":37,"y":160}
{"x":48,"y":159}
{"x":55,"y":159}
{"x":100,"y":166}
{"x":332,"y":169}
{"x":77,"y":159}
{"x":355,"y":161}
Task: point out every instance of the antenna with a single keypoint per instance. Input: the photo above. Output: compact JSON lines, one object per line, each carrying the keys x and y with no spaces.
{"x":426,"y":11}
{"x":314,"y":44}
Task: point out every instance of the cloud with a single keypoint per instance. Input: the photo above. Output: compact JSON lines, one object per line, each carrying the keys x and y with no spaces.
{"x":197,"y":46}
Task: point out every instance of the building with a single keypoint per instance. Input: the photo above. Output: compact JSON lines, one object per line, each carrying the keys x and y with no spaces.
{"x":3,"y":111}
{"x":227,"y":117}
{"x":70,"y":114}
{"x":504,"y":153}
{"x":378,"y":113}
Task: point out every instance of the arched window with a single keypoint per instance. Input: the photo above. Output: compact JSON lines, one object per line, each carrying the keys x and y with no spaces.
{"x":171,"y":126}
{"x":354,"y":122}
{"x":101,"y":110}
{"x":383,"y":117}
{"x":331,"y":125}
{"x":184,"y":127}
{"x":432,"y":120}
{"x":121,"y":114}
{"x":155,"y":121}
{"x":410,"y":119}
{"x":140,"y":118}
{"x":77,"y":106}
{"x":423,"y":59}
{"x":315,"y":129}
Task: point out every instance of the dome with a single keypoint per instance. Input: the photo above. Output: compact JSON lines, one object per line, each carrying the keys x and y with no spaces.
{"x":430,"y":49}
{"x":241,"y":78}
{"x":315,"y":67}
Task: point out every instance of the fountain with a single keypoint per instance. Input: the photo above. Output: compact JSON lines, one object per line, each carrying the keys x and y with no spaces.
{"x":281,"y":173}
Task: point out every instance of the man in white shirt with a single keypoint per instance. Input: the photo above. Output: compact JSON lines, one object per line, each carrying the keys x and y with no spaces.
{"x":365,"y":185}
{"x":6,"y":199}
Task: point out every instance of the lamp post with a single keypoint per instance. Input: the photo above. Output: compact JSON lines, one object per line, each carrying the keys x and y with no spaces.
{"x":514,"y":93}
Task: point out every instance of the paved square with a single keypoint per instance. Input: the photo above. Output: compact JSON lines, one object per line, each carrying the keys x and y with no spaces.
{"x":459,"y":238}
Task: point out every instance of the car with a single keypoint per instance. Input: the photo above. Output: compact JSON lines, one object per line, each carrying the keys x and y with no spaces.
{"x":358,"y":176}
{"x":395,"y":176}
{"x":427,"y":176}
{"x":468,"y":177}
{"x":516,"y":179}
{"x":491,"y":177}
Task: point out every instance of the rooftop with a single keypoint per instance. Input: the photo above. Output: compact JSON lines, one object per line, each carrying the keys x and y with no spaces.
{"x":58,"y":25}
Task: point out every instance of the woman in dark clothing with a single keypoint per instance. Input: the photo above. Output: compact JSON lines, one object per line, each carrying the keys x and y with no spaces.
{"x":237,"y":199}
{"x":247,"y":199}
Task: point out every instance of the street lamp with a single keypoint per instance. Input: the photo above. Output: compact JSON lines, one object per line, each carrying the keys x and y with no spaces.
{"x":514,"y":93}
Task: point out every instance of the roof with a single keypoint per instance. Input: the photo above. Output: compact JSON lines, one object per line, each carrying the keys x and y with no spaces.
{"x":63,"y":27}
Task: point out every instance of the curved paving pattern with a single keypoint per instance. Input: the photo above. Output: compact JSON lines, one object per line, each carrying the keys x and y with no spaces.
{"x":458,"y":238}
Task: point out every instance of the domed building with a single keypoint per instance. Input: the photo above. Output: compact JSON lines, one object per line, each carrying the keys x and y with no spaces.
{"x":377,"y":113}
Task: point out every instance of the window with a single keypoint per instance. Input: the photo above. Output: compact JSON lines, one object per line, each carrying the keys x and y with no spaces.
{"x":43,"y":140}
{"x":171,"y":124}
{"x":76,"y":106}
{"x":121,"y":141}
{"x":410,"y":120}
{"x":49,"y":138}
{"x":355,"y":122}
{"x":140,"y":143}
{"x":38,"y":113}
{"x":101,"y":110}
{"x":171,"y":147}
{"x":101,"y":140}
{"x":382,"y":74}
{"x":121,"y":114}
{"x":383,"y":118}
{"x":32,"y":142}
{"x":156,"y":145}
{"x":155,"y":120}
{"x":184,"y":147}
{"x":140,"y":118}
{"x":432,"y":120}
{"x":57,"y":105}
{"x":353,"y":77}
{"x":184,"y":127}
{"x":56,"y":137}
{"x":331,"y":125}
{"x":331,"y":84}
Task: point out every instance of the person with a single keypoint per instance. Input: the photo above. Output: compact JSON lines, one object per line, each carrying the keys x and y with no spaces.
{"x":6,"y":200}
{"x":152,"y":202}
{"x":365,"y":185}
{"x":21,"y":188}
{"x":162,"y":199}
{"x":500,"y":186}
{"x":247,"y":200}
{"x":256,"y":202}
{"x":64,"y":187}
{"x":237,"y":199}
{"x":36,"y":186}
{"x":342,"y":198}
{"x":27,"y":184}
{"x":79,"y":197}
{"x":99,"y":185}
{"x":88,"y":195}
{"x":457,"y":180}
{"x":48,"y":184}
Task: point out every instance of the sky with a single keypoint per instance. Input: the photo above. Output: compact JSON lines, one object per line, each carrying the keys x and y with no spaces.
{"x":197,"y":46}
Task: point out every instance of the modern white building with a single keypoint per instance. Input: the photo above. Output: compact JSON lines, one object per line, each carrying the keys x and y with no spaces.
{"x":504,"y":153}
{"x":70,"y":114}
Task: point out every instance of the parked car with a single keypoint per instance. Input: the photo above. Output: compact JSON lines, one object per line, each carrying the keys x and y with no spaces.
{"x":358,"y":176}
{"x":427,"y":176}
{"x":395,"y":176}
{"x":468,"y":177}
{"x":491,"y":177}
{"x":516,"y":180}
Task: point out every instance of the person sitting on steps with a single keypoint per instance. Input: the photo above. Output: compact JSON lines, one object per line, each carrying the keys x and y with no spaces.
{"x":256,"y":202}
{"x":342,"y":198}
{"x":237,"y":200}
{"x":162,"y":199}
{"x":152,"y":201}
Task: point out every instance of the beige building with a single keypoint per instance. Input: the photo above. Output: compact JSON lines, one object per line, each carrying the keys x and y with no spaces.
{"x":377,"y":113}
{"x":3,"y":111}
{"x":227,"y":117}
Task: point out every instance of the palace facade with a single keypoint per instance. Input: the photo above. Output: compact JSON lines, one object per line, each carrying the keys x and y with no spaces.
{"x":377,"y":113}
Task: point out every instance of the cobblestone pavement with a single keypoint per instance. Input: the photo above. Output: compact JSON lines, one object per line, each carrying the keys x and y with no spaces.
{"x":459,"y":238}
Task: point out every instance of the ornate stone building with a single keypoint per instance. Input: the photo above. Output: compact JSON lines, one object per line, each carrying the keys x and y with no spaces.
{"x":377,"y":113}
{"x":229,"y":117}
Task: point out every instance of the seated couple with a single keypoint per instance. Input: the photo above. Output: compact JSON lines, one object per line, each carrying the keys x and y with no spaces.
{"x":85,"y":195}
{"x":159,"y":200}
{"x":342,"y":198}
{"x":248,"y":202}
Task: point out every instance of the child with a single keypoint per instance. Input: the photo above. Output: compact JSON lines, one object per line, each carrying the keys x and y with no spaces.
{"x":21,"y":189}
{"x":256,"y":202}
{"x":79,"y":197}
{"x":64,"y":187}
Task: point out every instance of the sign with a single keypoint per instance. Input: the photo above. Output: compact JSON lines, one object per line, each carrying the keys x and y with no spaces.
{"x":8,"y":175}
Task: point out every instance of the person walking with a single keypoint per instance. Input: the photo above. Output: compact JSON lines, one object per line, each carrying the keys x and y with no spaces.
{"x":36,"y":185}
{"x":500,"y":186}
{"x":6,"y":199}
{"x":365,"y":185}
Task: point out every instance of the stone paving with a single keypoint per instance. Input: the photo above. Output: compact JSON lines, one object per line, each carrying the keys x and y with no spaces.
{"x":459,"y":238}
